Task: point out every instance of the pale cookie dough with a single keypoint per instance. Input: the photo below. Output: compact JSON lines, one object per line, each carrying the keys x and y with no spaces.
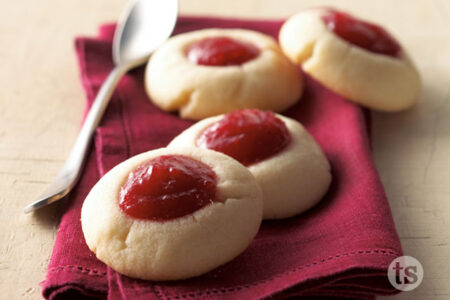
{"x":174,"y":83}
{"x":292,"y":181}
{"x":179,"y":248}
{"x":374,"y":80}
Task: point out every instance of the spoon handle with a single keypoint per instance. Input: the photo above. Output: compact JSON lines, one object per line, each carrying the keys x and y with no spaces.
{"x":70,"y":172}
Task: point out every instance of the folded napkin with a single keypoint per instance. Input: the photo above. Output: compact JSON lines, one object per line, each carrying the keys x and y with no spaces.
{"x":341,"y":248}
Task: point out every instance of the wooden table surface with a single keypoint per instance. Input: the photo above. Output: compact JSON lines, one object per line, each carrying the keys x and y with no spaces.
{"x":42,"y":103}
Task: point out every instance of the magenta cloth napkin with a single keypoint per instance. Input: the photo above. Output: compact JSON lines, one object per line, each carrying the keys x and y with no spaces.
{"x":341,"y":248}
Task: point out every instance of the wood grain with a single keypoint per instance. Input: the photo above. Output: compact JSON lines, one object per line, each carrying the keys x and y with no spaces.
{"x":41,"y":104}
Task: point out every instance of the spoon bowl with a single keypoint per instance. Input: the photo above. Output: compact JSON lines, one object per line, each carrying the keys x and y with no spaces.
{"x":144,"y":25}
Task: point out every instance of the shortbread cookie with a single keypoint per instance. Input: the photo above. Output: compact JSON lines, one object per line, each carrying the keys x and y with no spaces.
{"x":358,"y":60}
{"x":213,"y":71}
{"x":172,"y":214}
{"x":289,"y":165}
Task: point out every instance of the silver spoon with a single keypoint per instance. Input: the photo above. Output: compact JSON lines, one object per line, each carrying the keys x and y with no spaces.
{"x":144,"y":26}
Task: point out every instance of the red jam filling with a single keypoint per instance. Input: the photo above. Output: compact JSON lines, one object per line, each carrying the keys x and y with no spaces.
{"x":360,"y":33}
{"x":248,"y":135}
{"x":221,"y":51}
{"x":168,"y":187}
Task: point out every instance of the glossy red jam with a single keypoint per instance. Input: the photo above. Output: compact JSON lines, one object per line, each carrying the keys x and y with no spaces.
{"x":360,"y":33}
{"x":168,"y":187}
{"x":221,"y":51}
{"x":248,"y":135}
